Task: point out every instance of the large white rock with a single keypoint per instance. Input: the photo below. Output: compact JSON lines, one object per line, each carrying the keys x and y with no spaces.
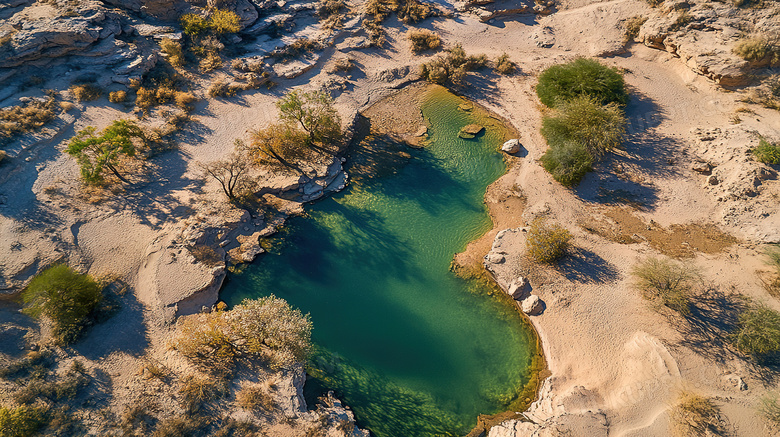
{"x":531,"y":305}
{"x":519,"y":289}
{"x":511,"y":147}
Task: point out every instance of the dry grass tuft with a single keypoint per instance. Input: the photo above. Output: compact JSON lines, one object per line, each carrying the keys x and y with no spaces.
{"x":422,"y":40}
{"x":547,"y":243}
{"x":117,"y":96}
{"x":253,"y":397}
{"x":85,"y":92}
{"x":696,"y":416}
{"x":24,"y":118}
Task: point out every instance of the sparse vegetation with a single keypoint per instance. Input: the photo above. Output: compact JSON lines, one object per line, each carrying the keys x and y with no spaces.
{"x":219,"y":22}
{"x":99,"y":153}
{"x":422,"y":40}
{"x":22,"y":421}
{"x":232,"y":173}
{"x":682,"y":20}
{"x":267,"y":329}
{"x":180,"y":426}
{"x":666,"y":282}
{"x":253,"y":397}
{"x":696,"y":416}
{"x":452,"y":67}
{"x":117,"y":96}
{"x":504,"y":65}
{"x":197,"y":391}
{"x":34,"y":363}
{"x":758,"y":49}
{"x":758,"y":331}
{"x":770,"y":407}
{"x":297,"y":48}
{"x":24,"y":118}
{"x":220,"y":88}
{"x":331,"y":12}
{"x":210,"y":62}
{"x":562,"y":83}
{"x":547,"y":243}
{"x":766,"y":152}
{"x":67,"y":298}
{"x":173,"y":51}
{"x":632,"y":26}
{"x":342,"y":65}
{"x":85,"y":92}
{"x":408,"y":11}
{"x":314,"y":113}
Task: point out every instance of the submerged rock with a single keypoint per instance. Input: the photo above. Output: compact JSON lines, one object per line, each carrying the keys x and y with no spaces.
{"x":470,"y":131}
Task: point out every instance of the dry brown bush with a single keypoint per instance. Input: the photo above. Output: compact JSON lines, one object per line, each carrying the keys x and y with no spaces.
{"x":117,"y":96}
{"x":696,"y":416}
{"x":423,"y":40}
{"x":253,"y":397}
{"x":211,"y":62}
{"x":173,"y":50}
{"x":26,"y":117}
{"x":546,"y":243}
{"x":85,"y":92}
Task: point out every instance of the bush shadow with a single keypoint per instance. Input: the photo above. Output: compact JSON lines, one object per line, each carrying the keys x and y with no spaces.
{"x":586,"y":267}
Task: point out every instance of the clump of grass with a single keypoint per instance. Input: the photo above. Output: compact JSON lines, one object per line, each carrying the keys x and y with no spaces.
{"x":180,"y":426}
{"x":452,"y":67}
{"x":682,"y":20}
{"x":173,"y":52}
{"x":197,"y":391}
{"x":504,"y":65}
{"x":421,"y":40}
{"x":758,"y":49}
{"x":561,"y":83}
{"x":66,"y":388}
{"x":408,"y":11}
{"x":24,"y":118}
{"x":666,"y":282}
{"x":253,"y":397}
{"x":22,"y":421}
{"x":767,"y":152}
{"x":696,"y":416}
{"x":219,"y":22}
{"x":34,"y":363}
{"x":547,"y":243}
{"x":297,"y":48}
{"x":85,"y":92}
{"x":632,"y":26}
{"x":117,"y":96}
{"x":64,"y":296}
{"x":758,"y":331}
{"x":770,"y":407}
{"x":342,"y":65}
{"x":331,"y":13}
{"x":220,"y":88}
{"x":211,"y":62}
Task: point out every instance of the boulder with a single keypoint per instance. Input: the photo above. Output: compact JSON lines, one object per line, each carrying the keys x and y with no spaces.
{"x":470,"y":131}
{"x":519,"y":289}
{"x":511,"y":147}
{"x":495,"y":258}
{"x":532,"y":305}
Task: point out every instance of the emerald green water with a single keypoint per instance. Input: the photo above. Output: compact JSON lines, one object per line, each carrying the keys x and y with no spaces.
{"x":413,"y":349}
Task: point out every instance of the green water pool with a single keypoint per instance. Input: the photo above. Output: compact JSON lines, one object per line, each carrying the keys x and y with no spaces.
{"x":413,"y":349}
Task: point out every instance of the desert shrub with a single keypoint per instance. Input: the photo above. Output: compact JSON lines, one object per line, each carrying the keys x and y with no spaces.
{"x":412,"y":11}
{"x":331,"y":12}
{"x":758,"y":49}
{"x":211,"y":62}
{"x":64,"y":296}
{"x":768,"y":93}
{"x":219,"y":88}
{"x":696,"y":416}
{"x":767,"y":152}
{"x":253,"y":397}
{"x":632,"y":26}
{"x":296,"y":48}
{"x":567,"y":162}
{"x":23,"y":421}
{"x":67,"y":388}
{"x":173,"y":51}
{"x":342,"y":65}
{"x":584,"y":121}
{"x":408,"y":11}
{"x":423,"y":40}
{"x":504,"y":65}
{"x":452,"y":67}
{"x":220,"y":21}
{"x":117,"y":96}
{"x":770,"y":407}
{"x":34,"y":363}
{"x":197,"y":391}
{"x":758,"y":331}
{"x":85,"y":92}
{"x":97,"y":153}
{"x":20,"y":119}
{"x":181,"y":426}
{"x":266,"y":328}
{"x":546,"y":243}
{"x":561,"y":83}
{"x":666,"y":282}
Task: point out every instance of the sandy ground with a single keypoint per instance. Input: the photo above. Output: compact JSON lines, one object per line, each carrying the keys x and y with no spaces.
{"x":616,"y":362}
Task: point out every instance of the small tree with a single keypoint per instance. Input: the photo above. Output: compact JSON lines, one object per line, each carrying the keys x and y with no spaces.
{"x":232,"y":173}
{"x":98,"y":153}
{"x":64,"y":296}
{"x":314,"y":113}
{"x":546,"y":243}
{"x":279,"y":146}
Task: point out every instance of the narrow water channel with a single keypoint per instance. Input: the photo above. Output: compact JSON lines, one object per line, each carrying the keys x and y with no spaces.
{"x":413,"y":349}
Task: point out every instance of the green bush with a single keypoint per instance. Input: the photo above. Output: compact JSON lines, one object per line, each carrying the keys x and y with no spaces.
{"x":452,"y":67}
{"x":546,"y":243}
{"x":21,"y":421}
{"x":758,"y":331}
{"x":584,"y":121}
{"x":567,"y":162}
{"x":561,"y":83}
{"x":767,"y":152}
{"x":64,"y":296}
{"x":666,"y":282}
{"x":219,"y":22}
